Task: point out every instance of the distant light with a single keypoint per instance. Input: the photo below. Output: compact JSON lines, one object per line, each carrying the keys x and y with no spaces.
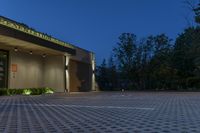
{"x":31,"y":52}
{"x":15,"y":49}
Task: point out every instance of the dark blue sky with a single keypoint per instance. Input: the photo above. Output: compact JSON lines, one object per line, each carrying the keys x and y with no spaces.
{"x":96,"y":24}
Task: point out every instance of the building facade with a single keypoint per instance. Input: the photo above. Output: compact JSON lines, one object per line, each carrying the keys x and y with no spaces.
{"x":31,"y":59}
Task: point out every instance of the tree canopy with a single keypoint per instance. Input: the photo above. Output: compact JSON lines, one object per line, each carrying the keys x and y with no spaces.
{"x":154,"y":62}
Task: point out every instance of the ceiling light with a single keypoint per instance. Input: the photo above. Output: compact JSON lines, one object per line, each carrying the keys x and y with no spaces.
{"x":44,"y":55}
{"x":15,"y":49}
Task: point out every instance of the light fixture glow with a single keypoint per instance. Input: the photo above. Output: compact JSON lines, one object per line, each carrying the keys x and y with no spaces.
{"x":15,"y":49}
{"x":31,"y":52}
{"x":44,"y":55}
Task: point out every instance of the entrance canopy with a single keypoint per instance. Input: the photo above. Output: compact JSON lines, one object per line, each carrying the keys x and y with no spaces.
{"x":16,"y":35}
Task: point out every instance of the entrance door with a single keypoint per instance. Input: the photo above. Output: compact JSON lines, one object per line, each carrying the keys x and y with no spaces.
{"x":3,"y":69}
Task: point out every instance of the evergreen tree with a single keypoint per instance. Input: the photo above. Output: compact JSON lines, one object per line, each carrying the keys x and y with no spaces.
{"x":112,"y":74}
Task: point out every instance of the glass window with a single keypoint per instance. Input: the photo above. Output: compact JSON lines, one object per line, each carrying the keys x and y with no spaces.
{"x":3,"y":69}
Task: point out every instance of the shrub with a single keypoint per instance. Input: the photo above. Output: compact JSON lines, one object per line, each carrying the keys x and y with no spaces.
{"x":49,"y":90}
{"x":36,"y":91}
{"x":28,"y":91}
{"x":193,"y":82}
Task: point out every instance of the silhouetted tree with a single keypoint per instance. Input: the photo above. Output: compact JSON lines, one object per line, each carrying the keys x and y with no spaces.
{"x":125,"y":52}
{"x":155,"y":62}
{"x":197,"y":14}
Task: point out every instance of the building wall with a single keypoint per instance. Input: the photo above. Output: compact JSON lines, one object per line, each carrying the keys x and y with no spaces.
{"x":80,"y":76}
{"x":29,"y":70}
{"x":80,"y":71}
{"x":54,"y":73}
{"x":34,"y":71}
{"x":82,"y":56}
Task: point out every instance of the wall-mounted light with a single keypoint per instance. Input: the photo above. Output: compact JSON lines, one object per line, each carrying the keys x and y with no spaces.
{"x":16,"y":49}
{"x":31,"y":52}
{"x":93,"y":71}
{"x":44,"y":55}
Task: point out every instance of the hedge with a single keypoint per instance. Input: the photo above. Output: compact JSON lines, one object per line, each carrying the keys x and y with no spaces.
{"x":27,"y":91}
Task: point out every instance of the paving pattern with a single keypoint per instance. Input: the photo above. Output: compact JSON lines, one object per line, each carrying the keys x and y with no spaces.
{"x":102,"y":112}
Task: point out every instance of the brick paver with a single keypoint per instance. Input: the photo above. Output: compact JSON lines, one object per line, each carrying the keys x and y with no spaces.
{"x":102,"y":112}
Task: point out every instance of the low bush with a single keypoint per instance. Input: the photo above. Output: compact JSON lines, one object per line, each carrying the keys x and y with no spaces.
{"x":27,"y":91}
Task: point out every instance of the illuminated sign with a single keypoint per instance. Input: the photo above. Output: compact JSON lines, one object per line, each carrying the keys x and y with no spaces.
{"x":25,"y":29}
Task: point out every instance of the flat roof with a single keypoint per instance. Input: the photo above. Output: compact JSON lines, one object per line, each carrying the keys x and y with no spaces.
{"x":24,"y":32}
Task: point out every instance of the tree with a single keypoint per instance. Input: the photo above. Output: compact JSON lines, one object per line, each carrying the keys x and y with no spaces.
{"x":197,"y":14}
{"x":159,"y":66}
{"x":186,"y":56}
{"x":125,"y":52}
{"x":112,"y":74}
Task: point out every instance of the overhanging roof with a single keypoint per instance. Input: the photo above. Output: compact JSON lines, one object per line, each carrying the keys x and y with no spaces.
{"x":19,"y":31}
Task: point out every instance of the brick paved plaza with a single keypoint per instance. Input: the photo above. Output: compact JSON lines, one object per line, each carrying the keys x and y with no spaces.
{"x":102,"y":112}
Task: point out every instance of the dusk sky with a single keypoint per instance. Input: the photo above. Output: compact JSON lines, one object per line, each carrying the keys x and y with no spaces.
{"x":95,"y":25}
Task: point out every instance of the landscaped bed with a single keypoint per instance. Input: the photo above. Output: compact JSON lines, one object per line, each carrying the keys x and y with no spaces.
{"x":27,"y":91}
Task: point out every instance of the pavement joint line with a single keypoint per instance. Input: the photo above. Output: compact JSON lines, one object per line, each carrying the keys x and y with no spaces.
{"x":83,"y":106}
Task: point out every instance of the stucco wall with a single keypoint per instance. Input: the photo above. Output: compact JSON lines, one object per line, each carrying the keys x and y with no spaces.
{"x":80,"y":71}
{"x":54,"y":72}
{"x":82,"y":56}
{"x":34,"y":71}
{"x":80,"y":76}
{"x":29,"y":70}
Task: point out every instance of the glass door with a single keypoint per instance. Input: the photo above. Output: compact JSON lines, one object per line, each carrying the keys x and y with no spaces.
{"x":3,"y":69}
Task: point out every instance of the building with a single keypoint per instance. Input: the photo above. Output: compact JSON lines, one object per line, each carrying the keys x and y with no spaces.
{"x":31,"y":59}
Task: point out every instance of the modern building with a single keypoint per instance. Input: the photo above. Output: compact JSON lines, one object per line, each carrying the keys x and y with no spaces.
{"x":31,"y":59}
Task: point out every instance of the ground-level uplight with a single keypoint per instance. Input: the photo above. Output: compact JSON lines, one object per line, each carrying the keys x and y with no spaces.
{"x":26,"y":92}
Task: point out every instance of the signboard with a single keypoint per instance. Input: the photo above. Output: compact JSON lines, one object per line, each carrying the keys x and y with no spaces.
{"x":14,"y":67}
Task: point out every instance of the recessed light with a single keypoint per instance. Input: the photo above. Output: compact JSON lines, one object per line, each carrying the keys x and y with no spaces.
{"x":15,"y":49}
{"x":44,"y":55}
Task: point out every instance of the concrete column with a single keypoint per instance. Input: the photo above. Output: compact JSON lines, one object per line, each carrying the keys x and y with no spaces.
{"x":67,"y":72}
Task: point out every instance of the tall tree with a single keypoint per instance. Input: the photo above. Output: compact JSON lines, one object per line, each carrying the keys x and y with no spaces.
{"x":125,"y":52}
{"x":159,"y":65}
{"x":197,"y":13}
{"x":112,"y":74}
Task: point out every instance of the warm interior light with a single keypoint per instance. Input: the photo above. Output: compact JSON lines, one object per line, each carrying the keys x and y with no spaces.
{"x":31,"y":52}
{"x":15,"y":49}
